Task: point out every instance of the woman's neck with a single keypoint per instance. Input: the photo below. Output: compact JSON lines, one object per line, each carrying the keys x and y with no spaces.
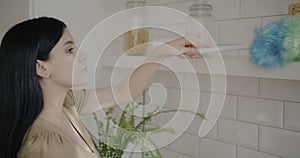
{"x":53,"y":97}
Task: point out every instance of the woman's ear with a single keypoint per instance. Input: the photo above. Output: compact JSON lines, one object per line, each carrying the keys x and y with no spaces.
{"x":41,"y":69}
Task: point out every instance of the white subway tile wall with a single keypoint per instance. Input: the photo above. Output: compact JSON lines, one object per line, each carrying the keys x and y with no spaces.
{"x":239,"y":31}
{"x":244,"y":54}
{"x":193,"y":129}
{"x":213,"y":134}
{"x":230,"y":107}
{"x":240,"y":133}
{"x":254,"y":8}
{"x":182,"y":6}
{"x":204,"y":102}
{"x":215,"y":149}
{"x":269,"y":19}
{"x":247,"y":153}
{"x":292,"y":116}
{"x":279,"y":142}
{"x":226,"y":10}
{"x":260,"y":111}
{"x":169,"y":153}
{"x":204,"y":82}
{"x":152,"y":20}
{"x":186,"y":144}
{"x":260,"y":117}
{"x":242,"y":86}
{"x":287,"y":90}
{"x":160,"y":2}
{"x":168,"y":79}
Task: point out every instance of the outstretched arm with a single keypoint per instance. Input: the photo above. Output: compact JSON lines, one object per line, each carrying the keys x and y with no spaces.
{"x":133,"y":85}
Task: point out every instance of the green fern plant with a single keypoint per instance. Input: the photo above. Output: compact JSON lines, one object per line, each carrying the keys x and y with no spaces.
{"x":115,"y":134}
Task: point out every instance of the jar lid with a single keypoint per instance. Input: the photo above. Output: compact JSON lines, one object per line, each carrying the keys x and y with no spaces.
{"x":203,"y":6}
{"x":132,"y":4}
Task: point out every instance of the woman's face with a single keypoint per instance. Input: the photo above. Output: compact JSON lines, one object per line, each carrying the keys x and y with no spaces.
{"x":67,"y":65}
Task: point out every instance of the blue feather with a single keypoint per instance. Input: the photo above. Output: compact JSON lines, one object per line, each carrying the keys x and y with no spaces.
{"x":267,"y":47}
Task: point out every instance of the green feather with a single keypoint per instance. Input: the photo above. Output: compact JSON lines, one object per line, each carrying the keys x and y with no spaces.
{"x":292,"y":40}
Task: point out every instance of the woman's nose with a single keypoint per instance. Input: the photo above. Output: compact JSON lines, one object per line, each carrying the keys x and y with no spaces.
{"x":82,"y":56}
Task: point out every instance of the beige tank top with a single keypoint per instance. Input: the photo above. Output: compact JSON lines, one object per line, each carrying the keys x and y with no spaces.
{"x":46,"y":140}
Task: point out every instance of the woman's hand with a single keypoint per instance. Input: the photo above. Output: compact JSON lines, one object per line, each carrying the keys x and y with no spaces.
{"x":180,"y":47}
{"x":133,"y":85}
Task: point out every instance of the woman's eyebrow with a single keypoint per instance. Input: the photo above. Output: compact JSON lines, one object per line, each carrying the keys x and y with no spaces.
{"x":69,"y":42}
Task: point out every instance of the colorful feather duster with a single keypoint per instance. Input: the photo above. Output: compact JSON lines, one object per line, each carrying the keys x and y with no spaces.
{"x":277,"y":43}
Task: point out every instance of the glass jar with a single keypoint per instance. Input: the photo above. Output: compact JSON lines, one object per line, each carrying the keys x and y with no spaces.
{"x":135,"y":40}
{"x":202,"y":12}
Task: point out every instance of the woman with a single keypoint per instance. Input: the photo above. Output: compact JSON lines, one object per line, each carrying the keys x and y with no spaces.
{"x":39,"y":113}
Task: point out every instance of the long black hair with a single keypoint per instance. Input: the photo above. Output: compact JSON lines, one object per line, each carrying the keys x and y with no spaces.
{"x":21,"y":99}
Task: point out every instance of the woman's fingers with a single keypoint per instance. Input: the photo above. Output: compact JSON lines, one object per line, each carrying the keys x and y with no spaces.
{"x":190,"y":52}
{"x":196,"y":42}
{"x":187,"y":47}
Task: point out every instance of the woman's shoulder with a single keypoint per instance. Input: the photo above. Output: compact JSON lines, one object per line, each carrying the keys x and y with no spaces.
{"x":42,"y":137}
{"x":75,"y":99}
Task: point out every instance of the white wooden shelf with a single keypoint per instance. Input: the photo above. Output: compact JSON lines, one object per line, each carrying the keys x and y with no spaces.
{"x":234,"y":65}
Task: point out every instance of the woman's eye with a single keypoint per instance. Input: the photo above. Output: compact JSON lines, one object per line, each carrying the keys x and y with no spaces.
{"x":70,"y":50}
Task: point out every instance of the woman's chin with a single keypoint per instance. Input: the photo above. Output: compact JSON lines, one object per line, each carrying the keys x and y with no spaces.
{"x":82,"y":82}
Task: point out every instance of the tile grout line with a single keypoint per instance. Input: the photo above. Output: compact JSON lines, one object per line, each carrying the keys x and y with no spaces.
{"x":236,"y":151}
{"x":252,"y":123}
{"x":259,"y":87}
{"x":237,"y":108}
{"x":258,"y":137}
{"x":283,"y":107}
{"x":166,"y":3}
{"x":240,"y":9}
